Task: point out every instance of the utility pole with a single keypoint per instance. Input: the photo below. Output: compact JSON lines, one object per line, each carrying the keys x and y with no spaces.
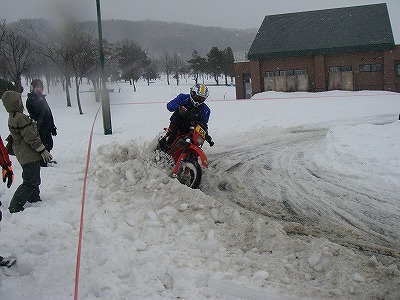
{"x":105,"y":96}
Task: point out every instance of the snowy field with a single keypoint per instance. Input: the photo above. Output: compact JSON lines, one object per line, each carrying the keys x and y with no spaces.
{"x":301,"y":201}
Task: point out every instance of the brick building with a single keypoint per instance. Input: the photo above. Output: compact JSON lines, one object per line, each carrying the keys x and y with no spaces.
{"x":348,"y":48}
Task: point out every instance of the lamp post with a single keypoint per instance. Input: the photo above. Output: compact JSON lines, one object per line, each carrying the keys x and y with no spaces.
{"x":105,"y":97}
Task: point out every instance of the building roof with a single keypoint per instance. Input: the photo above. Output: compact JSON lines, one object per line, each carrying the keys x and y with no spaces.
{"x":329,"y":31}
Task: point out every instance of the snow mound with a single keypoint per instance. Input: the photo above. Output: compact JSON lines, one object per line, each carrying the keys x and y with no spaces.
{"x":177,"y":240}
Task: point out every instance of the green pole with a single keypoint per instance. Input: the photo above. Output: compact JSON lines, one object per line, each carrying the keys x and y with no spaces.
{"x":105,"y":97}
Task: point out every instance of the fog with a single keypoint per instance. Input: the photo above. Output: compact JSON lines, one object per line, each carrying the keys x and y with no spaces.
{"x":221,"y":13}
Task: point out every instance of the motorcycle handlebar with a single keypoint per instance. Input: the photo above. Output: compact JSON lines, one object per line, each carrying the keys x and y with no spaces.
{"x":209,"y":140}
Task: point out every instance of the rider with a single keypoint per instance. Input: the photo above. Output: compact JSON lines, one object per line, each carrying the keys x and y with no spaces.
{"x":187,"y":108}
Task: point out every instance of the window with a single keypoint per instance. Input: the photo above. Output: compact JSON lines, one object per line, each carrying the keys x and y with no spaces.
{"x":300,"y":72}
{"x":340,"y":69}
{"x":240,"y":56}
{"x":376,"y":67}
{"x":398,"y":69}
{"x":269,"y":74}
{"x":285,"y":72}
{"x":334,"y":69}
{"x":370,"y":68}
{"x":364,"y":68}
{"x":345,"y":68}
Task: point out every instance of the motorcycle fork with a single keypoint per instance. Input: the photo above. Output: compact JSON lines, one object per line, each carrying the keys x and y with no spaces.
{"x":180,"y":159}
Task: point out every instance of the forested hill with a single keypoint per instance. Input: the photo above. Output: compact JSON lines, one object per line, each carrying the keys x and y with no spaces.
{"x":156,"y":37}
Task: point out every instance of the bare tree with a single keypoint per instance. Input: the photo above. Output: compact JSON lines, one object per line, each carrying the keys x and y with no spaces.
{"x":167,"y":65}
{"x":178,"y":66}
{"x":110,"y":65}
{"x":42,"y":67}
{"x":80,"y":48}
{"x":58,"y":49}
{"x":151,"y":71}
{"x":16,"y":53}
{"x":93,"y":72}
{"x":2,"y":29}
{"x":2,"y":63}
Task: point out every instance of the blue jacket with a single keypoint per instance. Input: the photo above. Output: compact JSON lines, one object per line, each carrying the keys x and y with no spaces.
{"x":201,"y":112}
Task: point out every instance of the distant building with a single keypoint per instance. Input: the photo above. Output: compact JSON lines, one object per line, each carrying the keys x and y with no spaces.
{"x":348,"y":48}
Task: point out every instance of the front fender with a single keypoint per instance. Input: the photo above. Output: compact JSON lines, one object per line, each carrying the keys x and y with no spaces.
{"x":199,"y":152}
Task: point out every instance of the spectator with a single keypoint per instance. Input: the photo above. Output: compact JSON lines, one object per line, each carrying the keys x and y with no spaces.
{"x":28,"y":149}
{"x":5,"y":162}
{"x":40,"y":112}
{"x":8,"y":176}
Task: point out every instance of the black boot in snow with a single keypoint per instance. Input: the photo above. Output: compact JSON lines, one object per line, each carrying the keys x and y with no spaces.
{"x":7,"y":261}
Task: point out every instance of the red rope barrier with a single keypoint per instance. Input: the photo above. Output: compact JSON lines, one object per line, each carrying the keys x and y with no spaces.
{"x":308,"y":96}
{"x":78,"y":256}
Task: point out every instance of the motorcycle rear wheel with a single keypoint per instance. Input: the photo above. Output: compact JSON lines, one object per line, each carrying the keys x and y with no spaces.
{"x":190,"y":173}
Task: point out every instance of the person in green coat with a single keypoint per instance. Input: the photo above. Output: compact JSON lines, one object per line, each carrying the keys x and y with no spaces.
{"x":28,"y":149}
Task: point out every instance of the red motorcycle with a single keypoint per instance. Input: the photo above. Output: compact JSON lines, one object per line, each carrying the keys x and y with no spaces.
{"x":185,"y":150}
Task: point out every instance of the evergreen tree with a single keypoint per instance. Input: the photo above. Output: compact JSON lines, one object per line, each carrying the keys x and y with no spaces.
{"x":131,"y":60}
{"x":228,"y":64}
{"x":197,"y":65}
{"x":151,"y":72}
{"x":215,"y":60}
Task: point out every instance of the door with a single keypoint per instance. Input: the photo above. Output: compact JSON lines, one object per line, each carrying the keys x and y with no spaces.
{"x":248,"y":91}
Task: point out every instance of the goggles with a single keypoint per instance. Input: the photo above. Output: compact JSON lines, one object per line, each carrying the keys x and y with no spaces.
{"x":198,"y":98}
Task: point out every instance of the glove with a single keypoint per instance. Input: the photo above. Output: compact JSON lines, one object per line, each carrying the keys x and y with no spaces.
{"x":7,"y":174}
{"x":46,"y":156}
{"x":182,"y":110}
{"x":185,"y":113}
{"x":54,"y":131}
{"x":209,"y":140}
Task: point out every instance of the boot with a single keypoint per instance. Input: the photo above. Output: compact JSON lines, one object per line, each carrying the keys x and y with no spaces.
{"x":7,"y":261}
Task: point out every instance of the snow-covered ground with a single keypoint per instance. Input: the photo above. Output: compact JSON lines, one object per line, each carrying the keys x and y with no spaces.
{"x":301,"y":201}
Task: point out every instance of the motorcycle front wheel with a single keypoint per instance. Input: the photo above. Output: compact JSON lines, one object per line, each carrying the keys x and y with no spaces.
{"x":190,"y":173}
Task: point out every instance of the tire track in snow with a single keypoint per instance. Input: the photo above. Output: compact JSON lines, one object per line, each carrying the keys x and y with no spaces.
{"x":273,"y":173}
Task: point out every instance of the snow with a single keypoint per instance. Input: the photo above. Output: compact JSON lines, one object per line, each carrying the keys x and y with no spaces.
{"x":300,"y":201}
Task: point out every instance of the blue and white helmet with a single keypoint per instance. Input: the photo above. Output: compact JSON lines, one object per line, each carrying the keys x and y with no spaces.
{"x":198,"y":94}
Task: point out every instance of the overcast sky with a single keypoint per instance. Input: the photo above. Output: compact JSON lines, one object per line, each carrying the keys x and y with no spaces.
{"x":221,"y":13}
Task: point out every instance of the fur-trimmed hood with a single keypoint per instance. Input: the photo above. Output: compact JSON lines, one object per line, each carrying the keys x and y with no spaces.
{"x":12,"y":101}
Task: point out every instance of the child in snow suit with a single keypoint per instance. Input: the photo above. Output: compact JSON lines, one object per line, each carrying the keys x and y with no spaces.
{"x":28,"y":149}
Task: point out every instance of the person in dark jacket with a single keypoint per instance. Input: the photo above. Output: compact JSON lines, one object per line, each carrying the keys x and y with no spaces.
{"x":28,"y":149}
{"x":186,"y":108}
{"x":39,"y":111}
